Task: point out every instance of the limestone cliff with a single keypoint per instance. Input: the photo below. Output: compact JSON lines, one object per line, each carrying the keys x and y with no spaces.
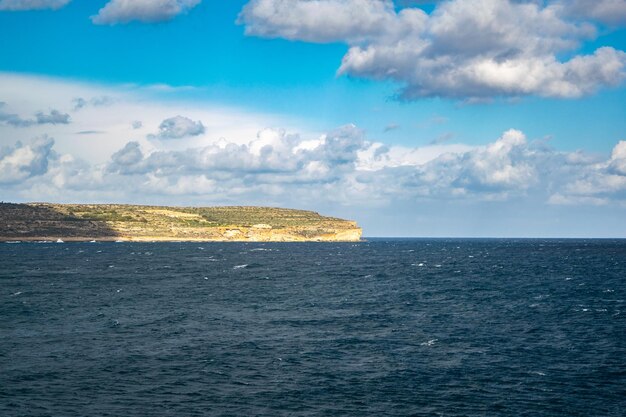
{"x":78,"y":222}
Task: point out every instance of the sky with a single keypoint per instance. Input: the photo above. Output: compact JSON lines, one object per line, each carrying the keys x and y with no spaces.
{"x":457,"y":118}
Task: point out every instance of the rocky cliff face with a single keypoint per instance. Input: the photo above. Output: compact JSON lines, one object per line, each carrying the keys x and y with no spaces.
{"x":78,"y":222}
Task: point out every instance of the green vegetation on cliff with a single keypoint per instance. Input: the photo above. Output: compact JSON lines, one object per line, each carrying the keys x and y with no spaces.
{"x":43,"y":221}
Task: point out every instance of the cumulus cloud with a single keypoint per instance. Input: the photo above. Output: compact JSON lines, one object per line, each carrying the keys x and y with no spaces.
{"x":127,"y":159}
{"x":609,"y":12}
{"x":41,"y":118}
{"x":505,"y":164}
{"x":617,"y":163}
{"x":341,"y":168}
{"x":178,"y":127}
{"x":147,"y":11}
{"x":465,"y":49}
{"x":24,"y":161}
{"x":319,"y":20}
{"x":23,"y":5}
{"x":359,"y":170}
{"x":601,"y":183}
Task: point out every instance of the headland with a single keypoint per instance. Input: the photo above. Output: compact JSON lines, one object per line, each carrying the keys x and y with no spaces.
{"x":121,"y":222}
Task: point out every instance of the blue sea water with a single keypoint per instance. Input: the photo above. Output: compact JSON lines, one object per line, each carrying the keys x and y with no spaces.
{"x":441,"y":327}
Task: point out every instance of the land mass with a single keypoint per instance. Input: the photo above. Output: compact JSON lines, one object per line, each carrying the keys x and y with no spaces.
{"x":113,"y":222}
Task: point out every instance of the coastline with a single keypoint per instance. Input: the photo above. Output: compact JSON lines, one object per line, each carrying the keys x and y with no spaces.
{"x":115,"y":222}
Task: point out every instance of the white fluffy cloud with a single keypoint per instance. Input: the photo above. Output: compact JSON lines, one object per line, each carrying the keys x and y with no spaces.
{"x":178,"y":127}
{"x":147,"y":11}
{"x":325,"y":21}
{"x":339,"y":167}
{"x":23,"y":161}
{"x":603,"y":183}
{"x":22,"y":5}
{"x":466,"y":49}
{"x":617,"y":164}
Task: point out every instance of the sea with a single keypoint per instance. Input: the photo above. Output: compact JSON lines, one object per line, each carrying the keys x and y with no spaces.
{"x":385,"y":327}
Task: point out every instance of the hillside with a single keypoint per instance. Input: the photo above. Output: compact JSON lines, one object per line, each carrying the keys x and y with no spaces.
{"x":79,"y":222}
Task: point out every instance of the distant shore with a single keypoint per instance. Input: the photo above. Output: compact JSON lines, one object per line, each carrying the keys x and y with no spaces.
{"x":117,"y":222}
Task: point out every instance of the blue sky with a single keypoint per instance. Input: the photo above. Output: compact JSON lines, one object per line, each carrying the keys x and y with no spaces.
{"x":414,"y":119}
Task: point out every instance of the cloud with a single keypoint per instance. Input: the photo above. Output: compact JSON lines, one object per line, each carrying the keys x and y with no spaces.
{"x":178,"y":127}
{"x":23,"y":5}
{"x":14,"y":120}
{"x":127,"y":160}
{"x":358,"y":170}
{"x":41,"y":118}
{"x":600,"y":184}
{"x":608,"y":12}
{"x":23,"y":161}
{"x":465,"y":49}
{"x":124,"y":105}
{"x":54,"y":117}
{"x":90,"y":132}
{"x":617,"y":163}
{"x":505,"y":164}
{"x":146,"y":11}
{"x":318,"y":20}
{"x":80,"y":102}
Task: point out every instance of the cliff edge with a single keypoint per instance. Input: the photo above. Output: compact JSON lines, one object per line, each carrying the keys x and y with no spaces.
{"x":112,"y":222}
